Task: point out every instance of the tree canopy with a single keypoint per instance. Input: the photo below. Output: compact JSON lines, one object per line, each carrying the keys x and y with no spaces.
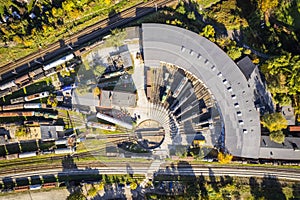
{"x":274,"y":122}
{"x":277,"y":136}
{"x":224,"y":158}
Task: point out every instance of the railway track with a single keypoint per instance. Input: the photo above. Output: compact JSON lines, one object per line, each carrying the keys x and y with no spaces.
{"x":90,"y":32}
{"x":23,"y":163}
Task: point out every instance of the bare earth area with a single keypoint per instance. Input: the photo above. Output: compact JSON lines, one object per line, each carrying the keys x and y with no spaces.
{"x":37,"y":195}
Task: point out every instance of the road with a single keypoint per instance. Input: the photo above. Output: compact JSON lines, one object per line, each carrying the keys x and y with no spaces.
{"x":80,"y":39}
{"x":189,"y":170}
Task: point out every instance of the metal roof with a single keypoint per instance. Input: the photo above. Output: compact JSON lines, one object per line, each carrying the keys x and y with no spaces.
{"x":210,"y":64}
{"x":288,"y":150}
{"x":246,"y":66}
{"x":117,"y":98}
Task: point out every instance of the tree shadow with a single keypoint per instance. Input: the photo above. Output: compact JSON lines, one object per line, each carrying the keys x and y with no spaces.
{"x":271,"y":188}
{"x":212,"y":180}
{"x":296,"y":191}
{"x":254,"y":188}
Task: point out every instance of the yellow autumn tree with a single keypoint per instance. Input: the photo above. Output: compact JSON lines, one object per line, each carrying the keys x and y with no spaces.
{"x":224,"y":158}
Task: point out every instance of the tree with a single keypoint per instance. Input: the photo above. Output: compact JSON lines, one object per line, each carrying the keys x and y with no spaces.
{"x":235,"y":53}
{"x":92,"y":192}
{"x":224,"y":158}
{"x":96,"y":91}
{"x":266,"y":5}
{"x":208,"y":31}
{"x":133,"y":185}
{"x":277,"y":136}
{"x":274,"y":122}
{"x":76,"y":196}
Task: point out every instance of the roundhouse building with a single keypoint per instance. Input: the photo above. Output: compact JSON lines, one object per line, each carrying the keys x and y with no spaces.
{"x":229,"y":86}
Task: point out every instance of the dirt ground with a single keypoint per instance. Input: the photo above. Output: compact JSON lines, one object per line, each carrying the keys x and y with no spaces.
{"x":57,"y":194}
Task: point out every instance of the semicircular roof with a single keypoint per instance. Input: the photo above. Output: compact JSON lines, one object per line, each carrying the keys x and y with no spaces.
{"x":205,"y":60}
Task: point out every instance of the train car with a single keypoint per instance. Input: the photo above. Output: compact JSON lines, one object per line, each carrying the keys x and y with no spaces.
{"x":34,"y":105}
{"x":63,"y":151}
{"x":21,"y":188}
{"x":58,"y":62}
{"x":179,"y":87}
{"x":114,"y":74}
{"x":13,"y":107}
{"x":101,"y":126}
{"x":61,"y":142}
{"x":7,"y":85}
{"x":36,"y":72}
{"x":50,"y":72}
{"x":22,"y":79}
{"x":4,"y":92}
{"x":17,"y":114}
{"x":114,"y":120}
{"x":50,"y":115}
{"x":49,"y":185}
{"x":27,"y":154}
{"x":38,"y":77}
{"x":36,"y":96}
{"x":17,"y":100}
{"x":35,"y":187}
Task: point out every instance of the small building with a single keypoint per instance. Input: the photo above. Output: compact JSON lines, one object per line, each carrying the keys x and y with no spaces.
{"x":50,"y":132}
{"x":109,"y":99}
{"x":288,"y":150}
{"x":86,"y":102}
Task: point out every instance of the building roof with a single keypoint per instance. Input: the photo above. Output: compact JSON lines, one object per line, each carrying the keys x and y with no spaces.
{"x":50,"y":132}
{"x":210,"y":64}
{"x":246,"y":66}
{"x":294,"y":128}
{"x":288,"y":150}
{"x":108,"y":99}
{"x":86,"y":100}
{"x":288,"y":113}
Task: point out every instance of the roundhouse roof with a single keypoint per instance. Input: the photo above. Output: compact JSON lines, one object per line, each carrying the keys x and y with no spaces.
{"x":219,"y":73}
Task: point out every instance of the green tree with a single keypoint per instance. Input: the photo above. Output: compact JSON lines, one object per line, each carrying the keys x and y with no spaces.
{"x":274,"y":122}
{"x":277,"y":136}
{"x":235,"y":52}
{"x":181,"y":9}
{"x":191,"y":15}
{"x":208,"y":31}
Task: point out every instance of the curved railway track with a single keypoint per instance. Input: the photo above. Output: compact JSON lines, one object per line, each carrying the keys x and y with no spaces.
{"x":90,"y":32}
